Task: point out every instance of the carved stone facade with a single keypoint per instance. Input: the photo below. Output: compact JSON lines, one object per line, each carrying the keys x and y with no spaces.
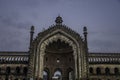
{"x":59,"y":53}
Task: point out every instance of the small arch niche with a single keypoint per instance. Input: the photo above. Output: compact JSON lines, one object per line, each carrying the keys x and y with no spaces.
{"x":98,"y":71}
{"x":17,"y":70}
{"x":8,"y":70}
{"x":107,"y":71}
{"x":91,"y":70}
{"x":116,"y":71}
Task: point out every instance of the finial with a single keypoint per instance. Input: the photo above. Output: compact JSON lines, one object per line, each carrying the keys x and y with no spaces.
{"x":85,"y":29}
{"x":32,"y":28}
{"x":85,"y":34}
{"x":59,"y":20}
{"x":31,"y":35}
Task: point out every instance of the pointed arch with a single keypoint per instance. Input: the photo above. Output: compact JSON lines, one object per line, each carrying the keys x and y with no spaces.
{"x":70,"y":75}
{"x":53,"y":34}
{"x":46,"y":74}
{"x":116,"y":71}
{"x":107,"y":71}
{"x":54,"y":37}
{"x":58,"y":73}
{"x":98,"y":71}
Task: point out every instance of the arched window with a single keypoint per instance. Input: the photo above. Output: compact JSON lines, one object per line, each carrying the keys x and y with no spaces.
{"x":71,"y":75}
{"x":25,"y":70}
{"x":57,"y":75}
{"x":98,"y":71}
{"x":116,"y":71}
{"x":8,"y":70}
{"x":107,"y":71}
{"x":17,"y":70}
{"x":91,"y":70}
{"x":45,"y":75}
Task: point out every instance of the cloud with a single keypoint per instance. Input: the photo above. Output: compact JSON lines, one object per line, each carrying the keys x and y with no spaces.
{"x":17,"y":16}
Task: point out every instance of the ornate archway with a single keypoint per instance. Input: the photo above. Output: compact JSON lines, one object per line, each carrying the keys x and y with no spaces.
{"x":50,"y":40}
{"x":53,"y":34}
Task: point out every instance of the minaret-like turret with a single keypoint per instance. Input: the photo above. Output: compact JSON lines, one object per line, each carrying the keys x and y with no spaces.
{"x":86,"y":48}
{"x":31,"y":34}
{"x":85,"y":34}
{"x":58,"y":20}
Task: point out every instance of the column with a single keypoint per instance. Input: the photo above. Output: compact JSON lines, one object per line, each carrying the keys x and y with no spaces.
{"x":41,"y":67}
{"x":76,"y":75}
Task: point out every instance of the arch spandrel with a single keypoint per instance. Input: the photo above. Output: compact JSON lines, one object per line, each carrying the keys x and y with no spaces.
{"x":59,"y":29}
{"x":55,"y":38}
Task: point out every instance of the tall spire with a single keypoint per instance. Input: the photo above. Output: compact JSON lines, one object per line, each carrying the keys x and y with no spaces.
{"x":58,"y":20}
{"x":31,"y":34}
{"x":85,"y":34}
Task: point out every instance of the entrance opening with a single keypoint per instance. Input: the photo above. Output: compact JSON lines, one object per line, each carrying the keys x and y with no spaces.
{"x":70,"y":74}
{"x":45,"y":75}
{"x":59,"y":54}
{"x":57,"y":75}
